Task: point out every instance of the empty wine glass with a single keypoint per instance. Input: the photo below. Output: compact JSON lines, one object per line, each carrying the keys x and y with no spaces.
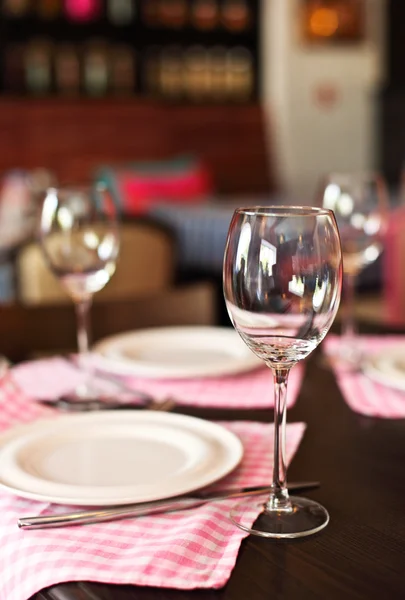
{"x":360,"y":203}
{"x":282,"y":283}
{"x":79,"y":235}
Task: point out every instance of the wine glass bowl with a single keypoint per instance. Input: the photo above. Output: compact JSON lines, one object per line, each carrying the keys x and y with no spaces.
{"x":360,"y":204}
{"x":79,"y":235}
{"x":282,"y":281}
{"x":79,"y":239}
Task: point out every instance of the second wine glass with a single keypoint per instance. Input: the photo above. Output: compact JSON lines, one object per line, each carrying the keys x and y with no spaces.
{"x":79,"y":235}
{"x":360,"y":203}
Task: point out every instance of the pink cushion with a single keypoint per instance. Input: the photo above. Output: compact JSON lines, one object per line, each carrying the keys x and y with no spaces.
{"x":139,"y":190}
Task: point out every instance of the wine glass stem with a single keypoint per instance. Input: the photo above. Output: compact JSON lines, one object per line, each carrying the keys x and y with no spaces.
{"x":82,"y":315}
{"x":349,"y":322}
{"x":279,"y":499}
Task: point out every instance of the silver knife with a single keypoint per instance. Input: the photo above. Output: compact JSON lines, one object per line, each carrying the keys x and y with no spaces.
{"x":148,"y":508}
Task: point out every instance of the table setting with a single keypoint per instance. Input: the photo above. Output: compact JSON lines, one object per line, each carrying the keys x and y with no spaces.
{"x":172,"y":550}
{"x":166,"y":549}
{"x":32,"y":485}
{"x":147,"y":464}
{"x":53,"y":463}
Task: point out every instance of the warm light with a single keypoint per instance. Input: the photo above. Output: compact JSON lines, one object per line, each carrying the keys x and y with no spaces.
{"x":334,"y":20}
{"x":324,"y":22}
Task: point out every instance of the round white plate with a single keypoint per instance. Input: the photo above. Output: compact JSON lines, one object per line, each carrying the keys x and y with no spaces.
{"x":177,"y":352}
{"x":109,"y":457}
{"x":387,"y":367}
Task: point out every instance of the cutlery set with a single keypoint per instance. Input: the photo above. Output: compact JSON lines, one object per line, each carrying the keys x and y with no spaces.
{"x":185,"y":502}
{"x":67,"y":404}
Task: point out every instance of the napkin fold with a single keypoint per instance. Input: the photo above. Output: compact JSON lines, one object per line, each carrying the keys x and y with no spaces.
{"x":185,"y":550}
{"x":360,"y":392}
{"x":54,"y":377}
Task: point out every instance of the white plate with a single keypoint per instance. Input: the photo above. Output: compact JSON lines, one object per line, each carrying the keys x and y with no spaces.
{"x":177,"y":352}
{"x":109,"y":457}
{"x":387,"y":367}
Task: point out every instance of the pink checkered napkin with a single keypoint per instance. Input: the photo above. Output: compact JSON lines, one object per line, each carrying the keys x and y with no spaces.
{"x":54,"y":377}
{"x":361,"y":393}
{"x":185,"y":550}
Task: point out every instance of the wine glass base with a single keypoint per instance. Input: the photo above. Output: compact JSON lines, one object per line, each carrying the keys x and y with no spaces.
{"x":306,"y":517}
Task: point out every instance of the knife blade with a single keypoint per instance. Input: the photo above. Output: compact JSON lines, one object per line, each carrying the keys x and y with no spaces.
{"x":128,"y":511}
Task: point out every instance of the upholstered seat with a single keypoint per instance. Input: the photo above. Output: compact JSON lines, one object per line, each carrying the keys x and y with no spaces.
{"x":146,"y":265}
{"x":142,"y":293}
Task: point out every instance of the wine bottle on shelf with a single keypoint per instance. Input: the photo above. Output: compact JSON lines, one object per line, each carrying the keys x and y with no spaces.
{"x":171,"y":73}
{"x":83,"y":10}
{"x":173,"y":14}
{"x":205,"y":14}
{"x":239,"y":74}
{"x":96,"y":68}
{"x":236,"y":15}
{"x":48,"y":9}
{"x":217,"y":58}
{"x":197,"y":73}
{"x":16,"y":8}
{"x":123,"y":69}
{"x":121,"y":12}
{"x":150,"y":12}
{"x":38,"y":66}
{"x":67,"y":70}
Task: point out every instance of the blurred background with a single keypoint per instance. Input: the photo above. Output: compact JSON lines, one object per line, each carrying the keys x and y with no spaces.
{"x":187,"y":108}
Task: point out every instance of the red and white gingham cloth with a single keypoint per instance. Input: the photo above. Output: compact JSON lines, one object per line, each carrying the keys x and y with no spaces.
{"x":361,"y":393}
{"x":185,"y":550}
{"x":53,"y":377}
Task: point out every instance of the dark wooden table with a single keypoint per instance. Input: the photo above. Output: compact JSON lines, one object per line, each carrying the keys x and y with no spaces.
{"x":360,"y":462}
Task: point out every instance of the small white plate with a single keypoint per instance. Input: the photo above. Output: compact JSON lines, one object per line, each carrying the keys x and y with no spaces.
{"x":109,"y":457}
{"x":177,"y":352}
{"x":387,"y":367}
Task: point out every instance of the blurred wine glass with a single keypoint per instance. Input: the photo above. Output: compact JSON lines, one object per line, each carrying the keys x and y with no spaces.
{"x":282,"y":282}
{"x":79,"y":235}
{"x":360,"y":203}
